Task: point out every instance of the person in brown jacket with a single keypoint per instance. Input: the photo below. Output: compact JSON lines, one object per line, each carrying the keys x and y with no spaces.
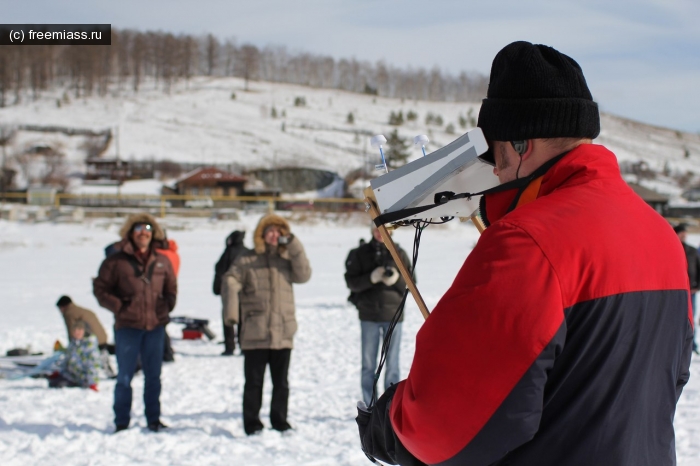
{"x":261,"y":282}
{"x":73,"y":313}
{"x":139,"y":286}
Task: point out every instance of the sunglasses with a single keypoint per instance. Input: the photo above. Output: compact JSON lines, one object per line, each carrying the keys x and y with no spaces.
{"x":142,"y":227}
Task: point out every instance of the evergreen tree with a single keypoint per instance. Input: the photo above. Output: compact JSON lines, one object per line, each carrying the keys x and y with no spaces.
{"x":462,"y":121}
{"x":398,"y":150}
{"x":396,"y":119}
{"x":472,"y":119}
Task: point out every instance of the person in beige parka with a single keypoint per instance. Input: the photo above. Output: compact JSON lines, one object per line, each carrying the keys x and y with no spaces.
{"x":261,"y":281}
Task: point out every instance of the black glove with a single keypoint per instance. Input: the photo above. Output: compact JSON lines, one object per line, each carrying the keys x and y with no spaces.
{"x":377,"y":436}
{"x":363,"y":416}
{"x":108,"y":347}
{"x":375,"y":428}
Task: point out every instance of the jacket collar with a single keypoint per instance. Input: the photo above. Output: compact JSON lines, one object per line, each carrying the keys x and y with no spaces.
{"x":127,"y":247}
{"x":579,"y":165}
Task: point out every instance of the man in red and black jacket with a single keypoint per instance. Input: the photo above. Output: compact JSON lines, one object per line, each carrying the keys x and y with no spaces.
{"x":565,"y":338}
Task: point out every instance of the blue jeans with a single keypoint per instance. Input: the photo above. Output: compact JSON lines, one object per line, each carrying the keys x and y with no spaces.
{"x":129,"y":344}
{"x":372,"y":338}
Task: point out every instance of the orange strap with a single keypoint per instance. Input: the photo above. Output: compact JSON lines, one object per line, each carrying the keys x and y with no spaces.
{"x":530,"y":193}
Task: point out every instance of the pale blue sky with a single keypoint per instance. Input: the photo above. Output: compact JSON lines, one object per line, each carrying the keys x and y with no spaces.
{"x":641,"y":58}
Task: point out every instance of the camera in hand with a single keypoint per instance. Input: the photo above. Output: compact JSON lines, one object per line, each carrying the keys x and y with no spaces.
{"x":382,"y":259}
{"x":282,"y":240}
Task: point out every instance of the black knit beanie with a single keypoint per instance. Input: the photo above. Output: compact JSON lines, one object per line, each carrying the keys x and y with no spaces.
{"x":537,"y":92}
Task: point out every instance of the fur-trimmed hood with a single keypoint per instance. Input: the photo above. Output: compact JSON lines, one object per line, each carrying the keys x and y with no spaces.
{"x":266,"y":221}
{"x":158,"y":233}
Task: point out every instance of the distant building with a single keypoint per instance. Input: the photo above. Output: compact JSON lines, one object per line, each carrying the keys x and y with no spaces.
{"x":210,"y":181}
{"x":105,"y":169}
{"x":41,"y":195}
{"x":657,"y":201}
{"x":7,"y":176}
{"x":692,"y":195}
{"x":99,"y":168}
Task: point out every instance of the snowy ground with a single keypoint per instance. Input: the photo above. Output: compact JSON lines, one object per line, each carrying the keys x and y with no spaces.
{"x":202,"y":391}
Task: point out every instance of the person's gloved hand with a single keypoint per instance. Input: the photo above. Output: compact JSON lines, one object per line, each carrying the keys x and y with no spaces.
{"x":377,"y":275}
{"x":391,"y":279}
{"x":230,"y":322}
{"x":363,"y":416}
{"x":93,"y":387}
{"x":376,"y":433}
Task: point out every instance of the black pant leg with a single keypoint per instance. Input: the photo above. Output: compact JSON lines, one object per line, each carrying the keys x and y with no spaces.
{"x":168,"y":353}
{"x":279,"y":368}
{"x":254,"y":370}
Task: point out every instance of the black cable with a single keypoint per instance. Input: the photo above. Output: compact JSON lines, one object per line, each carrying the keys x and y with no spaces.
{"x":419,"y":226}
{"x":517,"y":172}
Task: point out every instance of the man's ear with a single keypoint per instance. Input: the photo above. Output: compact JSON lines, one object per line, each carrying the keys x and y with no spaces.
{"x":520,"y":146}
{"x":524,"y":148}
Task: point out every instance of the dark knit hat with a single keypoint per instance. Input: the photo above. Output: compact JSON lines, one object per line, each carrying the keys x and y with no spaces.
{"x":536,"y":92}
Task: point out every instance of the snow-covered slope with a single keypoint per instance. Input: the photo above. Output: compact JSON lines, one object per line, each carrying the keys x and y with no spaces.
{"x":200,"y":122}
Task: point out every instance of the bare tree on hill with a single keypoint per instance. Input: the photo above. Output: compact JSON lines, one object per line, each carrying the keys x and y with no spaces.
{"x":229,"y":57}
{"x":212,"y":54}
{"x":249,"y":62}
{"x":165,"y":59}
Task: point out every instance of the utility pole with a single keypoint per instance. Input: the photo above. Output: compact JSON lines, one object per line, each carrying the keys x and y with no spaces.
{"x":116,"y":141}
{"x":5,"y":135}
{"x":119,"y":166}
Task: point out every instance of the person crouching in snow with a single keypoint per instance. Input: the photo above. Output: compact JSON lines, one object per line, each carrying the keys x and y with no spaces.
{"x":80,"y":364}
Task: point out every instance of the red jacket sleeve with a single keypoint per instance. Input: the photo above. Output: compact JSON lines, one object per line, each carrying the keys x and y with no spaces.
{"x":476,"y":348}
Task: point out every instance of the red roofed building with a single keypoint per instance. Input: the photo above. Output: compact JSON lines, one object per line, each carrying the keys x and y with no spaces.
{"x":210,"y":181}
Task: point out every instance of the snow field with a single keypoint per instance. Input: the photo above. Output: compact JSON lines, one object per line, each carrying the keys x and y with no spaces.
{"x":202,"y":391}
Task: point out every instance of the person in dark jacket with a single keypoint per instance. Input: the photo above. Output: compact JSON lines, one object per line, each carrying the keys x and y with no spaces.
{"x":234,"y":248}
{"x":691,"y":255}
{"x":168,"y":248}
{"x":139,"y":286}
{"x":558,"y":343}
{"x":376,"y":289}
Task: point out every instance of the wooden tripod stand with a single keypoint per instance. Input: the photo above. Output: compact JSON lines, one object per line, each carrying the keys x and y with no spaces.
{"x":373,"y":210}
